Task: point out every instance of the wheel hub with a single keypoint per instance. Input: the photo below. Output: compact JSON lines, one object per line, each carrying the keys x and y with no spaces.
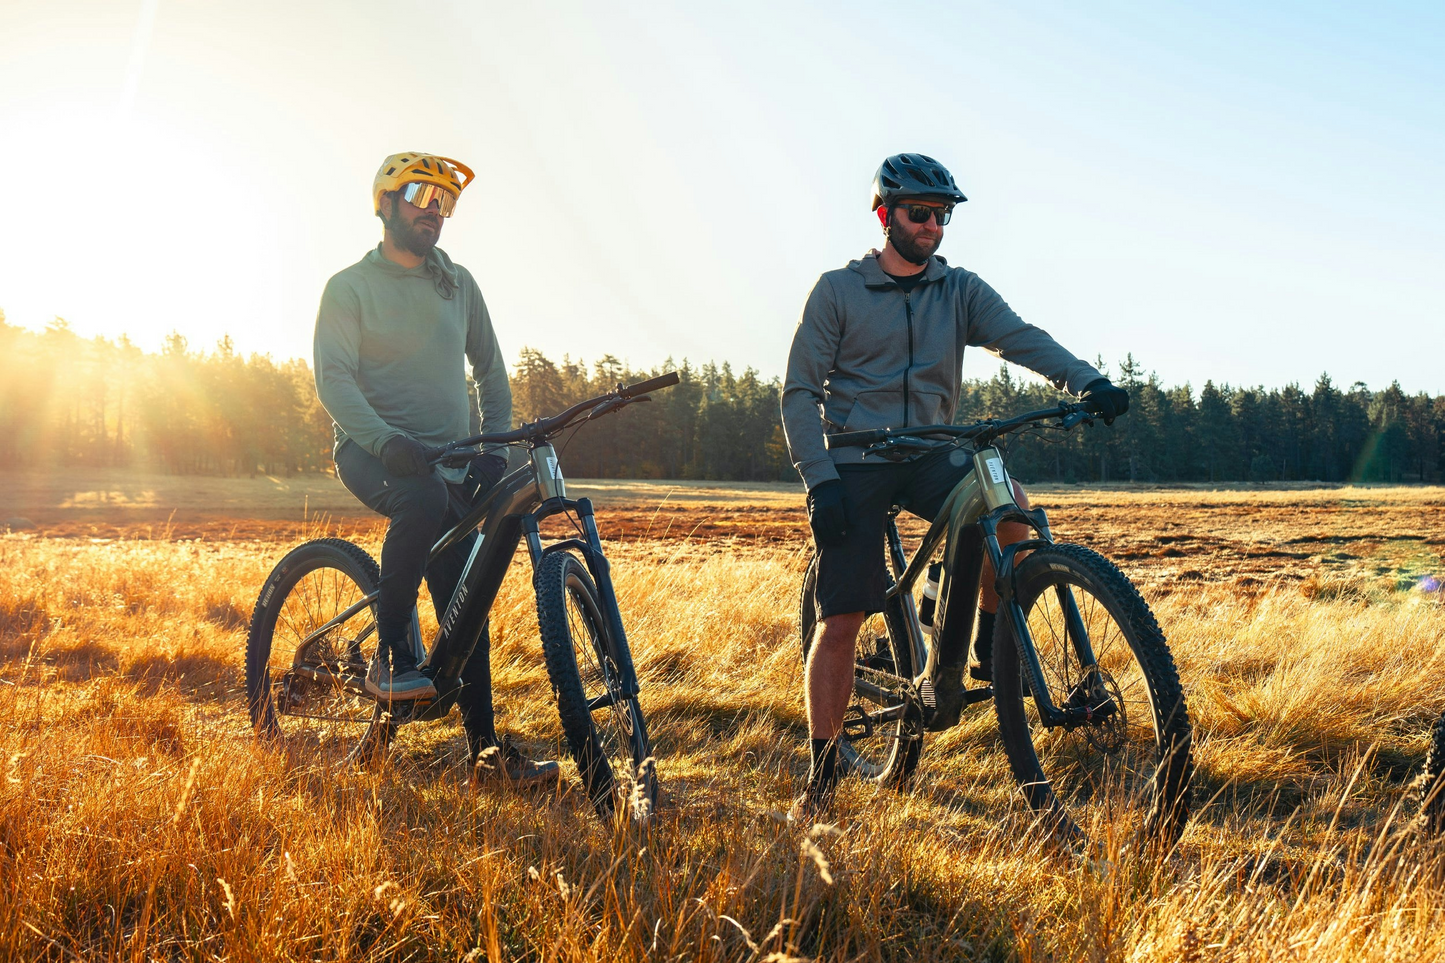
{"x":1102,"y":703}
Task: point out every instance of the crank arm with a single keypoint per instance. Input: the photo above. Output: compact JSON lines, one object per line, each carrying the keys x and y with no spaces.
{"x":353,"y":682}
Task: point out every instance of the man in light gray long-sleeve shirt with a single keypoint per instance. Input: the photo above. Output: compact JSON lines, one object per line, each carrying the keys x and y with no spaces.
{"x":391,"y":337}
{"x":880,"y":345}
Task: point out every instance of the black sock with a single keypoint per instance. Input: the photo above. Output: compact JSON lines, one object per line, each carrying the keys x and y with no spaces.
{"x":983,"y":639}
{"x":823,"y":772}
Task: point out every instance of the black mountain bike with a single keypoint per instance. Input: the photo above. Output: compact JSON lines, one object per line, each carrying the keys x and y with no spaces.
{"x":1090,"y":710}
{"x":313,"y":630}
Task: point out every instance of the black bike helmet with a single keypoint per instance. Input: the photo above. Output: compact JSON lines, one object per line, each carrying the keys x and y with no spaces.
{"x":913,"y":175}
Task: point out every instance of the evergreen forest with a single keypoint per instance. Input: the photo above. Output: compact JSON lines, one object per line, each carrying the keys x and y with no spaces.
{"x":67,"y":401}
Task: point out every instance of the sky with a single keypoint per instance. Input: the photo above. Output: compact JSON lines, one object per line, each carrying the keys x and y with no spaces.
{"x":1252,"y":193}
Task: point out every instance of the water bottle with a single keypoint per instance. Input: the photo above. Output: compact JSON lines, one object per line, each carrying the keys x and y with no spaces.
{"x":930,"y":598}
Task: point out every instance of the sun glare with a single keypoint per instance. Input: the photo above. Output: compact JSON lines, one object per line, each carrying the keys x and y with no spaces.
{"x":158,"y":230}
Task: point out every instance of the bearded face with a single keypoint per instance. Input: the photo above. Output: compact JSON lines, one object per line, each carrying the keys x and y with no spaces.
{"x":411,"y":228}
{"x":916,"y":243}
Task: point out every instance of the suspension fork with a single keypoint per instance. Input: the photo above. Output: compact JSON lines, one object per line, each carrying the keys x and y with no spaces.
{"x":590,"y":545}
{"x":1004,"y":565}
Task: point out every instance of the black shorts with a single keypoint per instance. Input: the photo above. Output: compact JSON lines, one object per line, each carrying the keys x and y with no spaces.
{"x":851,"y":572}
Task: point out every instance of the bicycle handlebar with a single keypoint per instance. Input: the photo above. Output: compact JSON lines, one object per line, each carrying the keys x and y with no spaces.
{"x":545,"y":427}
{"x":643,"y":387}
{"x":861,"y":439}
{"x":1070,"y":414}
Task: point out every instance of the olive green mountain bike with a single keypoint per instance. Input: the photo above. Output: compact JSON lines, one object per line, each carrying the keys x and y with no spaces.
{"x":1089,"y":705}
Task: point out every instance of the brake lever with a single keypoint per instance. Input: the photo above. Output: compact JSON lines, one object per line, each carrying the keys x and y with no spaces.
{"x":604,"y":408}
{"x":460,"y":459}
{"x":449,"y":457}
{"x":612,"y":404}
{"x":895,"y":449}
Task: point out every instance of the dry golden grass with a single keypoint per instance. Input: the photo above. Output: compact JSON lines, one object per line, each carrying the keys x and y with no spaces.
{"x":139,"y":818}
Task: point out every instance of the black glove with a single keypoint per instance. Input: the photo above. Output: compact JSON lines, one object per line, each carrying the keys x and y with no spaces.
{"x":486,"y":470}
{"x":405,"y":456}
{"x":1106,"y":399}
{"x":826,"y":512}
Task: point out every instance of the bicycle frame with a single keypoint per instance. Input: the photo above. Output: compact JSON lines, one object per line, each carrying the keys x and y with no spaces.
{"x":967,"y":528}
{"x":512,"y":510}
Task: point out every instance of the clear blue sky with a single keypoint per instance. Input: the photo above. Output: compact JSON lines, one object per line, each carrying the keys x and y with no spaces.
{"x":1245,"y":192}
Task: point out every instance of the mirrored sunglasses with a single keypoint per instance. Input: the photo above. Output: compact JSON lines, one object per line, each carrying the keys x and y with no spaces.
{"x":920,"y":213}
{"x":421,"y":195}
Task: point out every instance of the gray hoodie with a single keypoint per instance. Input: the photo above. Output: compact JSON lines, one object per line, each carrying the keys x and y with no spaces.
{"x":867,"y":355}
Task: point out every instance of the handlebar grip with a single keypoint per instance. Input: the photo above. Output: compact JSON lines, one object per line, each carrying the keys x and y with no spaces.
{"x":643,"y":387}
{"x":453,"y":458}
{"x":854,"y":439}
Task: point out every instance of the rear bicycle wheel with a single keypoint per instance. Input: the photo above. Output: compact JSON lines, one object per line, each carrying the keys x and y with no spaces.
{"x":889,"y":754}
{"x":311,"y":637}
{"x":605,"y":729}
{"x":1132,"y":760}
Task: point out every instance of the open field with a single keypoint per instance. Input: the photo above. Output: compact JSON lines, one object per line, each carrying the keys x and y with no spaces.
{"x":139,"y":818}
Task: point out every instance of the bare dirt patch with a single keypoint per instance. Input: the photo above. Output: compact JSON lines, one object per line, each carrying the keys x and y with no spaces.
{"x":1384,"y":537}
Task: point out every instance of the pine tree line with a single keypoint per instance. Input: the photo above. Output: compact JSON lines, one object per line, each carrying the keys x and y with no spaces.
{"x":67,"y":400}
{"x":1224,"y":433}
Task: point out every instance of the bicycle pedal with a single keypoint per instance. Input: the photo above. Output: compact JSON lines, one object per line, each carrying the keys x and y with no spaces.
{"x":972,"y":696}
{"x":856,"y":724}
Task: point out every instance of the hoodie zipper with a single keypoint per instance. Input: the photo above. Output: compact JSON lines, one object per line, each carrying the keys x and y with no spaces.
{"x":908,"y":314}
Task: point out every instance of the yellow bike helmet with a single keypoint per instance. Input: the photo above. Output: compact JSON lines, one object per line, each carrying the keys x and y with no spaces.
{"x":415,"y":167}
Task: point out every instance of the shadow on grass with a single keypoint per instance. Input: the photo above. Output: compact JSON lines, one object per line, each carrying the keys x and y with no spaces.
{"x":199,"y":676}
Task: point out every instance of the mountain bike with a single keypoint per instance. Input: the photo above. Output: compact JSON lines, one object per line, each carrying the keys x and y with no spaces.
{"x":313,"y":630}
{"x":1088,"y":701}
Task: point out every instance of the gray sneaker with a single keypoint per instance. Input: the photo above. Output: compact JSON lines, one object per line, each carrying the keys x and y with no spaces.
{"x":397,"y":686}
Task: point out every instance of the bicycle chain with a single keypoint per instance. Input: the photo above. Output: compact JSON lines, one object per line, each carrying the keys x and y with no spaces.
{"x":896,"y":685}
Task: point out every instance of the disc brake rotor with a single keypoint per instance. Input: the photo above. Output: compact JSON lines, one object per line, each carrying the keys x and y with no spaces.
{"x":1108,"y":729}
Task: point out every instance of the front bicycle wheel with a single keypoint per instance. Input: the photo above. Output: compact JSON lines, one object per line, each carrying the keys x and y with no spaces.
{"x":605,"y":729}
{"x":1131,"y":759}
{"x":887,"y":752}
{"x":311,"y":636}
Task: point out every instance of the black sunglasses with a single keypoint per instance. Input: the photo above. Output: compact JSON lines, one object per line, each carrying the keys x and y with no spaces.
{"x":920,"y":213}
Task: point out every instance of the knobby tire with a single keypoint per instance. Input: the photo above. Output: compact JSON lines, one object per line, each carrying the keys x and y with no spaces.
{"x":577,"y":642}
{"x":343,"y":564}
{"x":1163,"y":792}
{"x":897,"y":745}
{"x":1432,"y":790}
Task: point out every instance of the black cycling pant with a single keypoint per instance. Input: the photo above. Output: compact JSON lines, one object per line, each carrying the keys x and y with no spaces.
{"x":419,"y":509}
{"x":851,"y":572}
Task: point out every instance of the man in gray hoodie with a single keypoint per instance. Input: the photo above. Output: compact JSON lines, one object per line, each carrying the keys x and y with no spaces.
{"x":880,"y":345}
{"x":392,"y":334}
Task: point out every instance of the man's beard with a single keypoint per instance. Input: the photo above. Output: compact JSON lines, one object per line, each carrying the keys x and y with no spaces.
{"x":913,"y":249}
{"x":411,"y":237}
